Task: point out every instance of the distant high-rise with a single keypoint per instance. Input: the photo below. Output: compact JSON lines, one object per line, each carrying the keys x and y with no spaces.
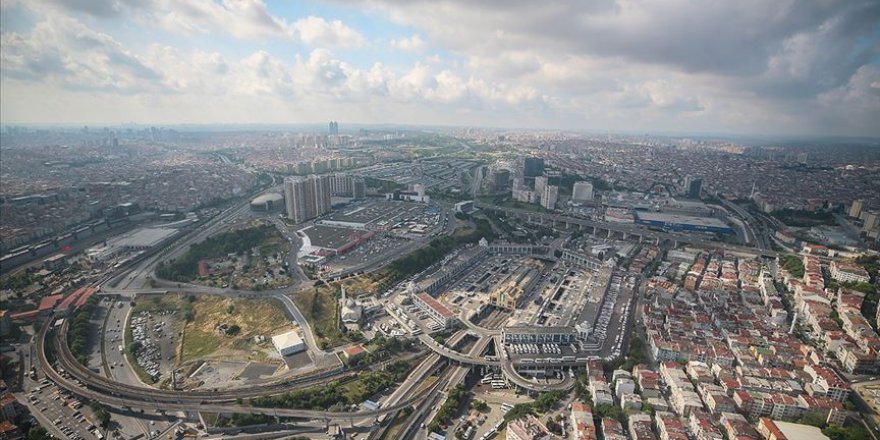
{"x":855,"y":210}
{"x":540,"y":184}
{"x":549,"y":196}
{"x":694,"y":187}
{"x":501,"y":179}
{"x":307,"y":197}
{"x":359,"y":188}
{"x":582,"y":192}
{"x":334,"y":128}
{"x":533,"y":166}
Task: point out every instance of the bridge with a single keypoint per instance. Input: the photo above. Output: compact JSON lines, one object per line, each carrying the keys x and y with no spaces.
{"x":89,"y":385}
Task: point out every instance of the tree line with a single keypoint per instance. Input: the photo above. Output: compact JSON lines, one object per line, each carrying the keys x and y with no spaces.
{"x":238,"y":242}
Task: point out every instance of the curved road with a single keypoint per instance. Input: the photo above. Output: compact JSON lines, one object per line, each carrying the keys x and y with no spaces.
{"x":122,"y":396}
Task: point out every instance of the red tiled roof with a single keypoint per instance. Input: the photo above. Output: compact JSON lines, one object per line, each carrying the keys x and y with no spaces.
{"x":436,"y":305}
{"x":49,"y":302}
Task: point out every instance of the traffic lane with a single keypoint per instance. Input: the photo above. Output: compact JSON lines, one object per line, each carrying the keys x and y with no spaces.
{"x":120,"y":370}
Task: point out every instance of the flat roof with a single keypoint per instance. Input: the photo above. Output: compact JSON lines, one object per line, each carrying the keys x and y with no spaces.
{"x":331,"y":237}
{"x":287,"y":339}
{"x":436,"y":305}
{"x":800,"y":432}
{"x":680,"y":219}
{"x":49,"y":302}
{"x":377,"y":211}
{"x":146,"y":237}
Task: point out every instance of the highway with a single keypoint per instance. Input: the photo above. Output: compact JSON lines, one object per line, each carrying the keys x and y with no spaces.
{"x":748,"y":220}
{"x":482,"y":331}
{"x":123,"y":396}
{"x":512,"y":375}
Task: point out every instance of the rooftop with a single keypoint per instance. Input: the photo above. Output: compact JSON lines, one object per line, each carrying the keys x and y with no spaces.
{"x":146,"y":237}
{"x":680,"y":219}
{"x":287,"y":339}
{"x":436,"y":305}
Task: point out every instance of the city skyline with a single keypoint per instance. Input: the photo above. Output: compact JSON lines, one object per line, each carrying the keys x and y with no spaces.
{"x":801,"y":69}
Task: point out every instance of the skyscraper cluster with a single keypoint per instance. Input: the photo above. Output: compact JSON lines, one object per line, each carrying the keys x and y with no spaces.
{"x":334,"y":128}
{"x":307,"y":197}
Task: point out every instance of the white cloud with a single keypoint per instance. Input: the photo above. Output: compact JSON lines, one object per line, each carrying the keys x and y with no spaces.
{"x":740,"y":66}
{"x":247,"y":19}
{"x":413,"y":43}
{"x":317,"y":31}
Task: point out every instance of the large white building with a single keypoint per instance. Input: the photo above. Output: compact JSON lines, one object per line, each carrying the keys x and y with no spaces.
{"x":582,"y":192}
{"x":288,"y":343}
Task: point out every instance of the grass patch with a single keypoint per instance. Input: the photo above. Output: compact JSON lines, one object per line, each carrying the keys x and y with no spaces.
{"x":197,"y":343}
{"x":156,"y":303}
{"x":239,"y":242}
{"x":319,"y":305}
{"x":263,"y":317}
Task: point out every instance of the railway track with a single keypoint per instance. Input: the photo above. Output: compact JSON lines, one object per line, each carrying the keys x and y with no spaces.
{"x":96,"y":387}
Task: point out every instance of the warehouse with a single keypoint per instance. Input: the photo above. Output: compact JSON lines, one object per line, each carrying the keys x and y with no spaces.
{"x":674,"y":222}
{"x":288,"y":343}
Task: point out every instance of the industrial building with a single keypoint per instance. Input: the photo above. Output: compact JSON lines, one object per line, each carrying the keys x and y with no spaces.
{"x":288,"y":343}
{"x":673,"y":222}
{"x":267,"y":202}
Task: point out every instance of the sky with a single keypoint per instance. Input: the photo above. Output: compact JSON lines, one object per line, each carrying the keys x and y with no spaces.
{"x":803,"y":67}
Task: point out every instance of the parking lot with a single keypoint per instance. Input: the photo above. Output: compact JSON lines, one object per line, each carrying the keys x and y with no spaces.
{"x":66,"y":413}
{"x":613,"y":320}
{"x":381,"y":247}
{"x":155,"y":331}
